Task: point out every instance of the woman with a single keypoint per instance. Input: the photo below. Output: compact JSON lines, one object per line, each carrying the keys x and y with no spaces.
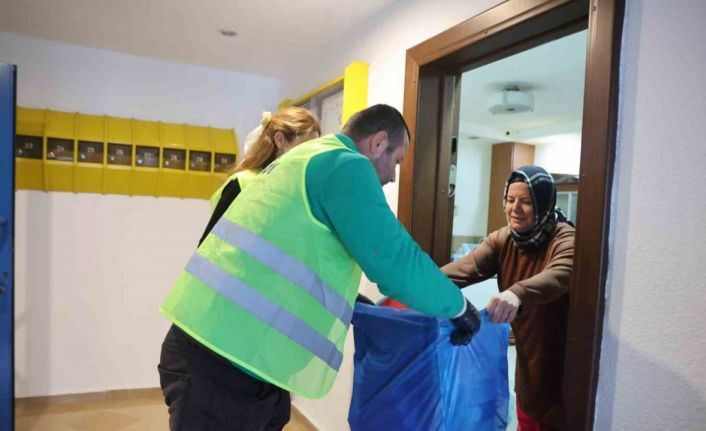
{"x":202,"y":389}
{"x":273,"y":137}
{"x":533,"y":259}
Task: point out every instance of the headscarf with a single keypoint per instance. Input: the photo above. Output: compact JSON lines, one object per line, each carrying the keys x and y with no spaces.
{"x":546,"y":215}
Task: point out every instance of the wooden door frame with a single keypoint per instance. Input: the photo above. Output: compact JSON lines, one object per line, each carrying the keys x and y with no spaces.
{"x":510,"y":27}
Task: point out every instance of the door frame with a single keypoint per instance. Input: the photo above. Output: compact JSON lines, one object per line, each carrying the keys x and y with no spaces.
{"x":511,"y":27}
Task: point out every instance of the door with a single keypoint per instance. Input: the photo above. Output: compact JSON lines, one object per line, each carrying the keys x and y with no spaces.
{"x":447,"y":169}
{"x":508,"y":28}
{"x":7,"y":233}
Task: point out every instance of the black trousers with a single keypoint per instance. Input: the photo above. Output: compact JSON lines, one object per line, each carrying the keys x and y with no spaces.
{"x":204,"y":391}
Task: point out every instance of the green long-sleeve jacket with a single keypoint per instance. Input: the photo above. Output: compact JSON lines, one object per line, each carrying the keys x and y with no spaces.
{"x":344,"y":194}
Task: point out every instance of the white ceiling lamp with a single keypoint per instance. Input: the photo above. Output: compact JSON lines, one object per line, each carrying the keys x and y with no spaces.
{"x":511,"y":100}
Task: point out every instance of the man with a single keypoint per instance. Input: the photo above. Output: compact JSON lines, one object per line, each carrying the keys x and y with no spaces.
{"x":264,"y":305}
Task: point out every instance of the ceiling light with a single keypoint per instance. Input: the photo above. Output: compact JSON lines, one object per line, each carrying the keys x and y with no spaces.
{"x":227,"y":32}
{"x":511,"y":100}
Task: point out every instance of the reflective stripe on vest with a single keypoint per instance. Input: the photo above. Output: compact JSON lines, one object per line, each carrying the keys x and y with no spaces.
{"x":277,"y":260}
{"x":261,"y":307}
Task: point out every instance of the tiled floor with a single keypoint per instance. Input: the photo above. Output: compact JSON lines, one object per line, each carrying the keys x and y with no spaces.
{"x":140,"y":411}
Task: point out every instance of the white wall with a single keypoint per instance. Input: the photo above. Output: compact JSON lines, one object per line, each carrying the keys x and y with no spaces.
{"x":652,"y":373}
{"x":560,"y":157}
{"x":472,"y":188}
{"x":92,"y":269}
{"x":90,"y":274}
{"x":93,"y":81}
{"x":381,"y":42}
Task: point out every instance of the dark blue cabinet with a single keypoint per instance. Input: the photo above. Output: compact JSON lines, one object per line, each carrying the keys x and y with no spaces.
{"x":7,"y":232}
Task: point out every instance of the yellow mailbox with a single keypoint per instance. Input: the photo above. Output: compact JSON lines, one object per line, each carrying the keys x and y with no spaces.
{"x":119,"y":156}
{"x":199,"y":178}
{"x":147,"y":158}
{"x":90,"y":135}
{"x":29,"y":146}
{"x":60,"y":155}
{"x":73,"y":152}
{"x":225,"y":149}
{"x":172,"y":176}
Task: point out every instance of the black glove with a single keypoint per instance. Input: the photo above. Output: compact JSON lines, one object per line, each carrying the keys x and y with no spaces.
{"x":364,"y":299}
{"x":467,"y":325}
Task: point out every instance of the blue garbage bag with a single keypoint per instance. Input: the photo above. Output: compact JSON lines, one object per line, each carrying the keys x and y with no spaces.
{"x":408,"y":375}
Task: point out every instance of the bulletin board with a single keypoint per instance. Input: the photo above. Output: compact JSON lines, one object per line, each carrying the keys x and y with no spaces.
{"x":337,"y":100}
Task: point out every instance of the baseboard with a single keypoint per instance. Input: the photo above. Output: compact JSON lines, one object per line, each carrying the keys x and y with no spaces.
{"x":67,"y":402}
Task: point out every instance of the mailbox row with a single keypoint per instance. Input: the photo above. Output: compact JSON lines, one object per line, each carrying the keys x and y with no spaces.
{"x":72,"y":152}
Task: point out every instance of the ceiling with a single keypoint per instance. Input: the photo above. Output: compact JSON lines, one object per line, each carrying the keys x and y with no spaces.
{"x":270,"y":32}
{"x":553,"y":73}
{"x":187,"y":31}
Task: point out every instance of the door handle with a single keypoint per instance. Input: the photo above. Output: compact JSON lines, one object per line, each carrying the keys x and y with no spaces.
{"x":452,"y":181}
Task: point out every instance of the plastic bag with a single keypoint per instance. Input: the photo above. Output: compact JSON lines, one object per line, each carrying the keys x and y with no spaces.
{"x":408,"y":376}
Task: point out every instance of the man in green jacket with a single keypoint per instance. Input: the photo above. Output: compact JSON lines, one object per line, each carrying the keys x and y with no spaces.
{"x":263,"y":307}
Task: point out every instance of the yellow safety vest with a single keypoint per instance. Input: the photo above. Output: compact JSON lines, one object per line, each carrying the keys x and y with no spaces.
{"x":243,"y":177}
{"x":271,"y":288}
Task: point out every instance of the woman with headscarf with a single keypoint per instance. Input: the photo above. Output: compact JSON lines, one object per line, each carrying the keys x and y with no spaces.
{"x":533,"y":259}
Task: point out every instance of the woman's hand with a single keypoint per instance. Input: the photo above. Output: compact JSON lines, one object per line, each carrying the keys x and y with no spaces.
{"x":503,"y":307}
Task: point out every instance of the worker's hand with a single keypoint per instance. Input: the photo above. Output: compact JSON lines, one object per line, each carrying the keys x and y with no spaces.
{"x":467,"y":325}
{"x":503,"y":308}
{"x":364,"y":299}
